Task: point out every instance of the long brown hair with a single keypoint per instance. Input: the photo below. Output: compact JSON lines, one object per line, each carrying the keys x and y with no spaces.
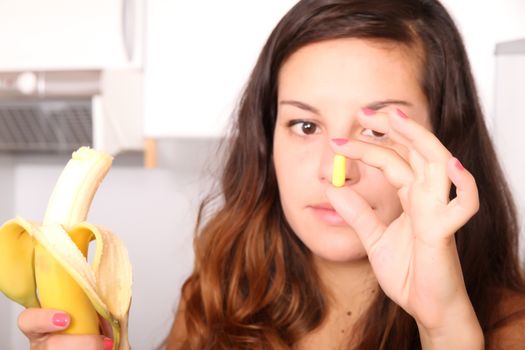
{"x":254,"y":285}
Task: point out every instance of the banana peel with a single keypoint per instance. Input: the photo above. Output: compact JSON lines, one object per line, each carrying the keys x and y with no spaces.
{"x":58,"y":248}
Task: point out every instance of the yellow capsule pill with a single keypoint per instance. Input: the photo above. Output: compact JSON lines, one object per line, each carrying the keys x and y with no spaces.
{"x":339,"y":171}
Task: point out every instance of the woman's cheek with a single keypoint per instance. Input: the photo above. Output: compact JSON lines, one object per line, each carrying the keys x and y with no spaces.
{"x":301,"y":162}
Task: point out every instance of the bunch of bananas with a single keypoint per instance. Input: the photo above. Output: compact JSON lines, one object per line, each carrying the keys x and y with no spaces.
{"x":45,"y":265}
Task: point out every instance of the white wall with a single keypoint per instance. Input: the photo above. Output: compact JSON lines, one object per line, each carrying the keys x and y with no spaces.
{"x":197,"y":59}
{"x":6,"y":187}
{"x":483,"y":24}
{"x":6,"y":212}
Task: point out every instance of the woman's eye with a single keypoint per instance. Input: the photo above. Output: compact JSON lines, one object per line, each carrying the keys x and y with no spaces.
{"x":374,"y":134}
{"x":302,"y":127}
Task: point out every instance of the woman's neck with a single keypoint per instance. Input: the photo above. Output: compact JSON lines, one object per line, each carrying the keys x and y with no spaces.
{"x":350,"y":289}
{"x":351,"y":286}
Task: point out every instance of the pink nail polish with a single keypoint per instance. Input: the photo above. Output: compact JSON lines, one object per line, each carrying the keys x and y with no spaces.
{"x":108,"y":344}
{"x":340,"y":141}
{"x":368,"y":111}
{"x":60,"y":319}
{"x":401,"y":113}
{"x":459,"y":165}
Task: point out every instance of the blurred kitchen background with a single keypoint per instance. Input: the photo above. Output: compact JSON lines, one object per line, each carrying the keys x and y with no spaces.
{"x":154,"y":83}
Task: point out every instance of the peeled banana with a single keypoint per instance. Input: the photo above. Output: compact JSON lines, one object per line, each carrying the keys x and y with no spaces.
{"x":45,"y":265}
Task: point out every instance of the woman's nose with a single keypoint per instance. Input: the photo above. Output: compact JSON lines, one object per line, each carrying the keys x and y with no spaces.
{"x":326,"y":166}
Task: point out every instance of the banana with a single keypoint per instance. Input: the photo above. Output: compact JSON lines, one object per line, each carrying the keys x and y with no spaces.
{"x":17,"y":275}
{"x":45,"y":265}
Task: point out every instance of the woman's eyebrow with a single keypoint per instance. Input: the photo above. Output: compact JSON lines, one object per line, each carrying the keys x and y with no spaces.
{"x":300,"y":105}
{"x":376,"y":105}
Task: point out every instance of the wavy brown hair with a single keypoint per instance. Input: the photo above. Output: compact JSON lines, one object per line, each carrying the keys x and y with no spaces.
{"x":254,"y":285}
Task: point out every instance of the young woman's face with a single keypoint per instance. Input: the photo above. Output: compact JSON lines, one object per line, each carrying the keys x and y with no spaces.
{"x":321,"y":89}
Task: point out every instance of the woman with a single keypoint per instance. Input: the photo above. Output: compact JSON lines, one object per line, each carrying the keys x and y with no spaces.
{"x":413,"y":251}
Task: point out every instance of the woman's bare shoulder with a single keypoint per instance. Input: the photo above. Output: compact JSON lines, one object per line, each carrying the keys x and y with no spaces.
{"x":509,"y":329}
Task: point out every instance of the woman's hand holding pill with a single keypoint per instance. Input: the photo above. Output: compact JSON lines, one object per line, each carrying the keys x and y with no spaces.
{"x":414,"y":257}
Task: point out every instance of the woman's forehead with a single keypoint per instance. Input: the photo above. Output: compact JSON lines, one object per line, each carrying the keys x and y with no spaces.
{"x":352,"y":72}
{"x":341,"y":54}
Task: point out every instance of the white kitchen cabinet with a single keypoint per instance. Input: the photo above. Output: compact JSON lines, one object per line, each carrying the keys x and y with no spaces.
{"x":70,"y":34}
{"x":198,"y":57}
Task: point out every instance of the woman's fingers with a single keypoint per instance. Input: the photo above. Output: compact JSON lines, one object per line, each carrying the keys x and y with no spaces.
{"x":466,"y":203}
{"x":380,"y":122}
{"x":419,"y":137}
{"x":358,"y":214}
{"x":427,"y":163}
{"x":395,"y":168}
{"x":40,"y":327}
{"x":85,"y":342}
{"x":428,"y":156}
{"x":430,"y":148}
{"x":418,"y":164}
{"x":34,"y":322}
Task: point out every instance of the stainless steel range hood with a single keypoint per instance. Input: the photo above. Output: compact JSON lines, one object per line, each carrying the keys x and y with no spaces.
{"x":61,"y":111}
{"x":47,"y":111}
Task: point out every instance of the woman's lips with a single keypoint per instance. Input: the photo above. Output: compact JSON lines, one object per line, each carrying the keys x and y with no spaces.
{"x":328,"y":215}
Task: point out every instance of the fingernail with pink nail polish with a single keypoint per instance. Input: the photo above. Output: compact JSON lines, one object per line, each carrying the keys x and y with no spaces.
{"x":340,"y":141}
{"x":108,"y":344}
{"x":368,"y":111}
{"x":401,"y":113}
{"x":60,"y":319}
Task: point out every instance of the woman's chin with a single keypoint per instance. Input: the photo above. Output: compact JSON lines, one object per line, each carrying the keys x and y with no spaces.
{"x":338,"y":248}
{"x":341,"y":257}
